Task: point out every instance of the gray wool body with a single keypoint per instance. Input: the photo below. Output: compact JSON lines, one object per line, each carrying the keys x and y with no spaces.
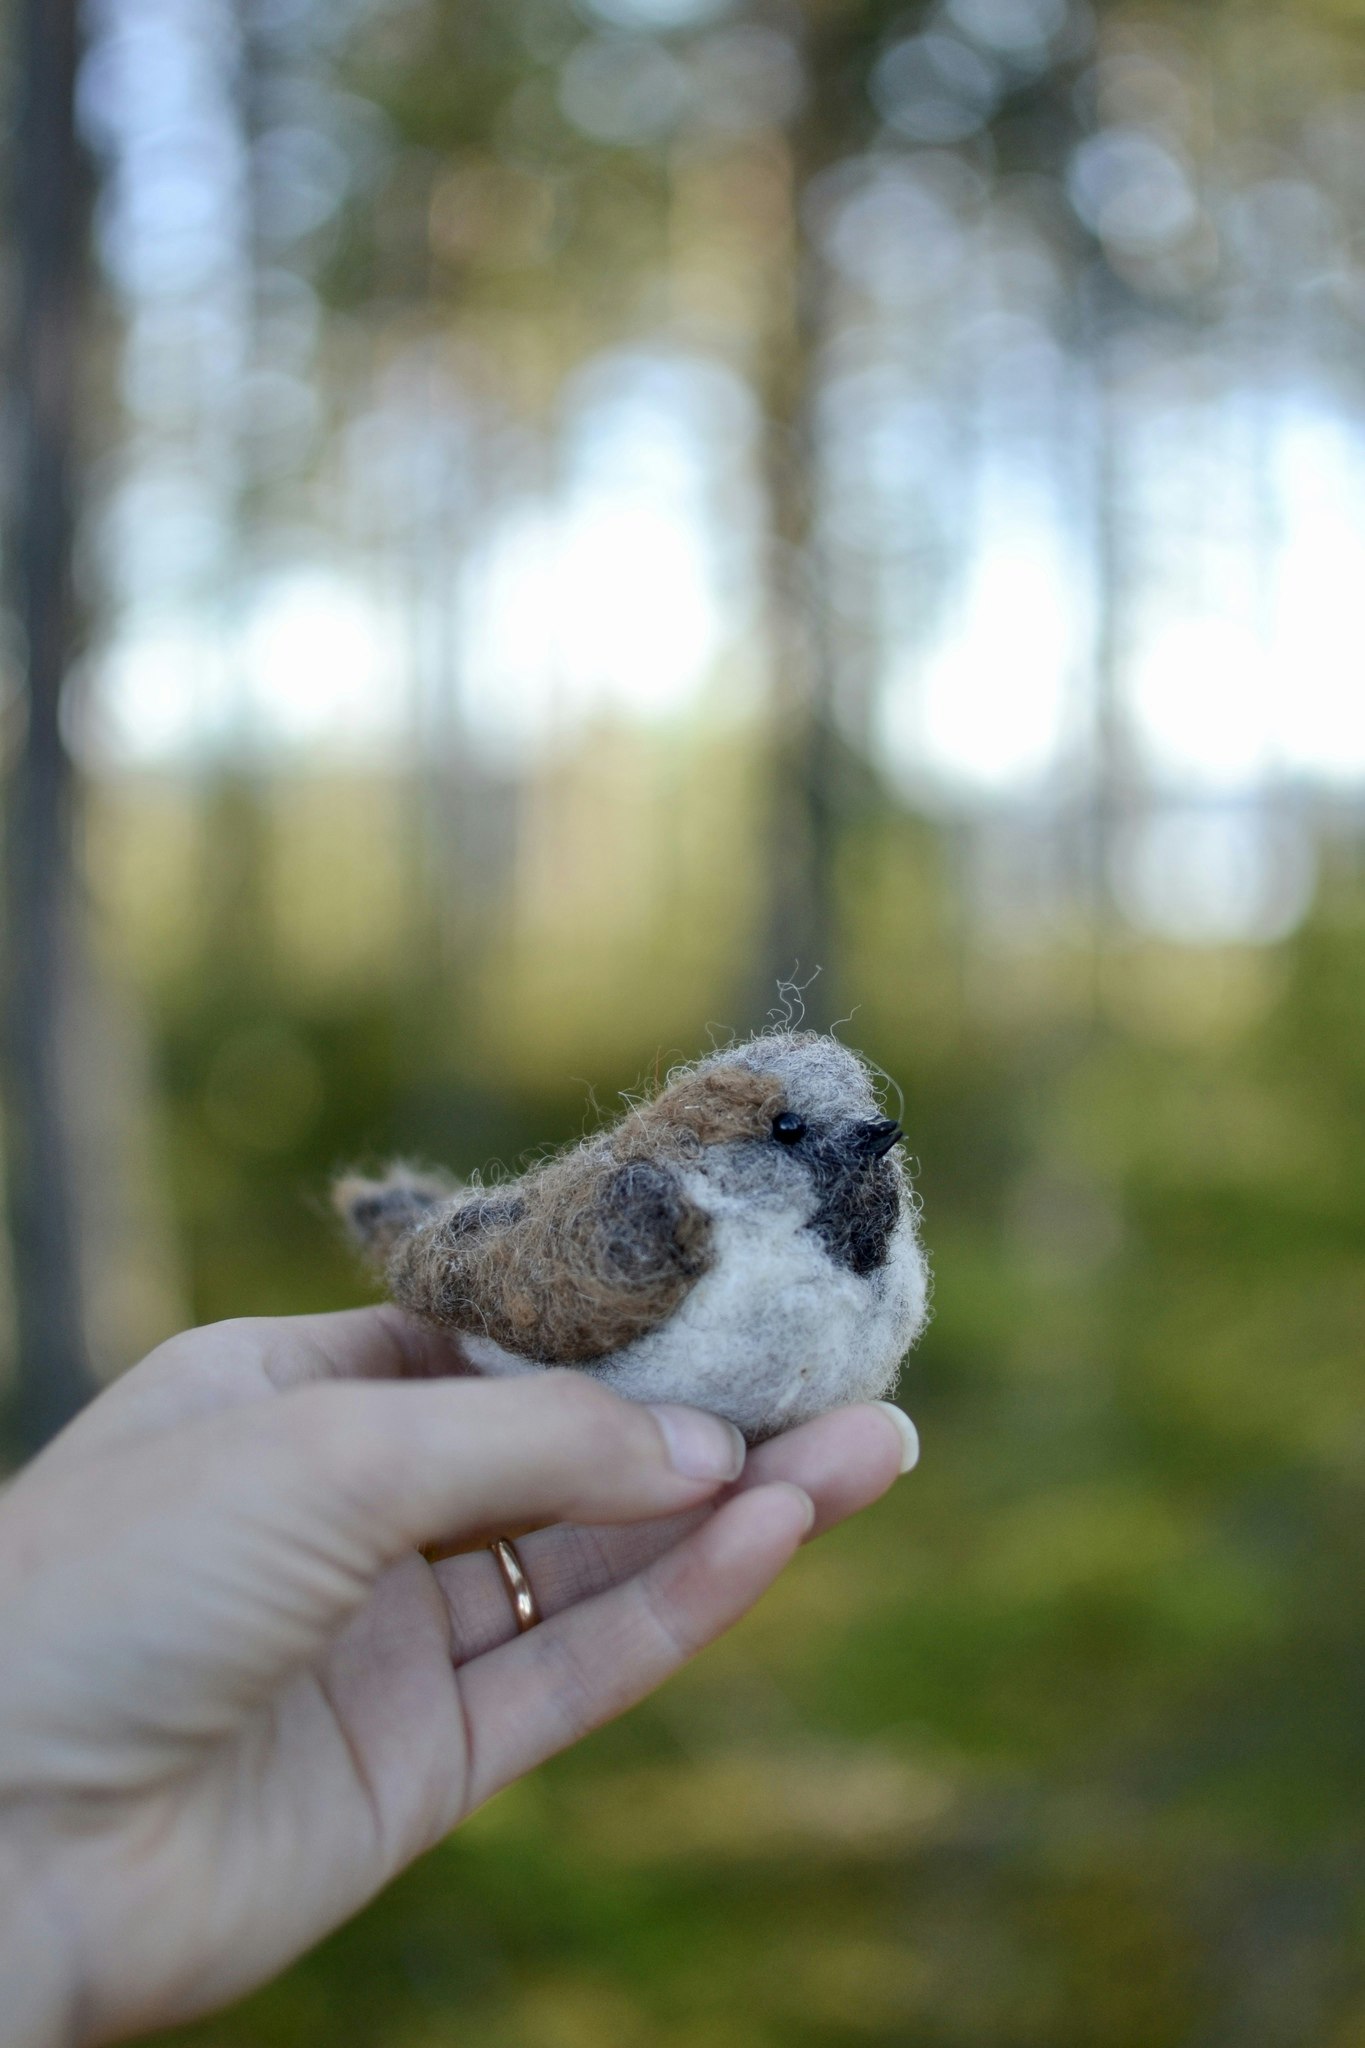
{"x":745,"y":1242}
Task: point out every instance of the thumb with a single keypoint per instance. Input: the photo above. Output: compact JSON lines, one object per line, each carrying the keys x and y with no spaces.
{"x":382,"y":1467}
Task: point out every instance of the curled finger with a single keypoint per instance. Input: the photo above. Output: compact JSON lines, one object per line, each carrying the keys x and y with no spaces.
{"x":843,"y":1461}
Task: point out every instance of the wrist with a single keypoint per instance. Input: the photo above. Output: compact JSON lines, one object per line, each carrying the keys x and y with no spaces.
{"x":41,"y":2007}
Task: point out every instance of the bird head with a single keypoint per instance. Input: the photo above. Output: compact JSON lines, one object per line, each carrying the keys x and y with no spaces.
{"x":788,"y":1118}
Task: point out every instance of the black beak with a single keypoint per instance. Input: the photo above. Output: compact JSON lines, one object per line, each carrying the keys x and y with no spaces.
{"x":875,"y":1139}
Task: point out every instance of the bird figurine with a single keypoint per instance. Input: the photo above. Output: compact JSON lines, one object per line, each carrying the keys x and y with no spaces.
{"x":745,"y":1241}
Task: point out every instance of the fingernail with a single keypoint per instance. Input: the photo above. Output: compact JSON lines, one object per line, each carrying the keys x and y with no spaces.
{"x":700,"y":1446}
{"x":909,"y":1434}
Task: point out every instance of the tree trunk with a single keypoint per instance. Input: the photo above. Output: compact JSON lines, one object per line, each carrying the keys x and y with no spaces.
{"x":49,"y":236}
{"x":802,"y":799}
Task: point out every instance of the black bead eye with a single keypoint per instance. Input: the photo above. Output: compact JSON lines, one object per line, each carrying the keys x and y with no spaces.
{"x":789,"y":1128}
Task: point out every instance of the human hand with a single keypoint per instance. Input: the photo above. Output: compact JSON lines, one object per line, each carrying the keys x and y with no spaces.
{"x":236,"y":1699}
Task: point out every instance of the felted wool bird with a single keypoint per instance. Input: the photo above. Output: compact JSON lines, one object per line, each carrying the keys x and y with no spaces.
{"x":746,"y":1241}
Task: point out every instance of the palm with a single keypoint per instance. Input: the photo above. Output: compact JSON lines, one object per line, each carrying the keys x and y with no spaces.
{"x":360,"y":1766}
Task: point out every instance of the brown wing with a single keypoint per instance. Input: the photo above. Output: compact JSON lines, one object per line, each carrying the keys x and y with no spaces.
{"x":578,"y":1259}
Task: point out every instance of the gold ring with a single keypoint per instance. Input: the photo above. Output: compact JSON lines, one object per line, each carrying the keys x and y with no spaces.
{"x":518,"y":1585}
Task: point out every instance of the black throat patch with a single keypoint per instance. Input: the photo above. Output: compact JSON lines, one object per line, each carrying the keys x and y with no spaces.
{"x":858,"y":1202}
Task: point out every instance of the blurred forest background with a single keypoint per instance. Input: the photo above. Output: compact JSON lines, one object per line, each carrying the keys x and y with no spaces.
{"x":529,"y":522}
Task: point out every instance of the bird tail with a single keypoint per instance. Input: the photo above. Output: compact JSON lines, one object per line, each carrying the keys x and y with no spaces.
{"x":380,"y":1213}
